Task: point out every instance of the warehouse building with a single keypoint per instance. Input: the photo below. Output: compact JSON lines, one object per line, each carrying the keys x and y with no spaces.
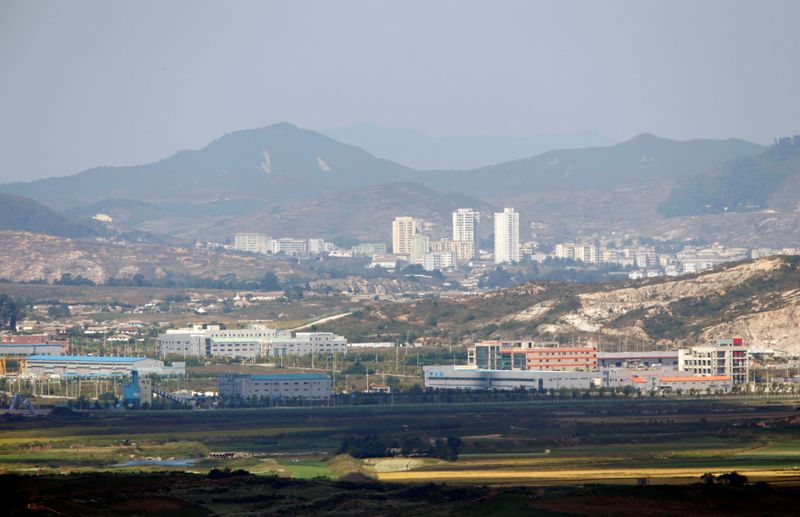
{"x":469,"y":378}
{"x":660,"y":380}
{"x":98,"y":366}
{"x":310,"y":386}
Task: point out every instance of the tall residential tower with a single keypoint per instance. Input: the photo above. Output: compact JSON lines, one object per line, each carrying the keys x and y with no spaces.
{"x":465,"y":229}
{"x":404,"y":228}
{"x":506,"y":236}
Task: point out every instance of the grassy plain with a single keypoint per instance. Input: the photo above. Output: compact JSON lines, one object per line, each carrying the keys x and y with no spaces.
{"x":594,"y":441}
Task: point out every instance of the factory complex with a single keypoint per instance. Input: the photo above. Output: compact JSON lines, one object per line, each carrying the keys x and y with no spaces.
{"x":505,"y":365}
{"x":250,"y":343}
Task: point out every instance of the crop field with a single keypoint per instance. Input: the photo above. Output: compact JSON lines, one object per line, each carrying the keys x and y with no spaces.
{"x":612,"y":442}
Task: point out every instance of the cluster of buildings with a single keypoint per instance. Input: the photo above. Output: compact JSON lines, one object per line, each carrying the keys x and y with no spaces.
{"x":546,"y":366}
{"x":249,"y":343}
{"x":648,"y":263}
{"x":260,"y":243}
{"x":410,"y":244}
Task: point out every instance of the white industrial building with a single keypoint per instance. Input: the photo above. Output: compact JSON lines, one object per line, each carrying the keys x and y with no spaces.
{"x":197,"y":340}
{"x":250,"y":343}
{"x":97,"y":366}
{"x":468,"y":378}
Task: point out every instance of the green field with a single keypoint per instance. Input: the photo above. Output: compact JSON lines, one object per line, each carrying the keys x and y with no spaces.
{"x":592,"y":441}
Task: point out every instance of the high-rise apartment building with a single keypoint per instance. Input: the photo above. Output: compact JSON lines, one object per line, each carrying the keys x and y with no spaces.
{"x":404,"y":228}
{"x":465,"y":228}
{"x":506,"y":236}
{"x":420,"y":246}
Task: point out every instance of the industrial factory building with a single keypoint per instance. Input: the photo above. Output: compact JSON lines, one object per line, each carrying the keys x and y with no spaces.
{"x":666,"y":359}
{"x":310,"y":386}
{"x":98,"y":366}
{"x":532,"y":355}
{"x":250,"y":343}
{"x":469,"y":378}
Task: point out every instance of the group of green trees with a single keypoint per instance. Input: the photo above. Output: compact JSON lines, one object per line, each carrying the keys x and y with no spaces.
{"x":10,"y":311}
{"x":372,"y":446}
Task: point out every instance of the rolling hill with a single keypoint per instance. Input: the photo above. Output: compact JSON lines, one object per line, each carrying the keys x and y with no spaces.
{"x":757,"y":300}
{"x":274,"y":164}
{"x":741,"y":185}
{"x":24,"y":214}
{"x":424,"y":152}
{"x":643,"y":158}
{"x":289,"y":181}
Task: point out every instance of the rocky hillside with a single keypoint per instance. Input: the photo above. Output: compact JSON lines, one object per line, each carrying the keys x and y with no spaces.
{"x":759,"y":301}
{"x":30,"y":257}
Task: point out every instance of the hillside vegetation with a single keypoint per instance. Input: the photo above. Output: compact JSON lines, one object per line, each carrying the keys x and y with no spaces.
{"x":758,"y":300}
{"x":744,"y":184}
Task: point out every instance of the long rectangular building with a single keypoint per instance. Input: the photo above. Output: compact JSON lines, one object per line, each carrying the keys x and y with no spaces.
{"x":91,"y":366}
{"x":467,"y":378}
{"x":310,"y":386}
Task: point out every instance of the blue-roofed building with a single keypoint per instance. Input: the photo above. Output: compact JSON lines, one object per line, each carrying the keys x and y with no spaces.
{"x":309,"y":386}
{"x":91,"y":366}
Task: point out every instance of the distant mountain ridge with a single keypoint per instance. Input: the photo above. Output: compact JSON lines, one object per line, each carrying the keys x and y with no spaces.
{"x":643,"y":158}
{"x":248,"y":178}
{"x":740,"y":185}
{"x":424,"y":152}
{"x":274,"y":164}
{"x":281,"y":162}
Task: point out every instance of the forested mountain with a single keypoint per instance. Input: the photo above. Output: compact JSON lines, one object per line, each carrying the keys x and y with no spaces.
{"x":739,"y":185}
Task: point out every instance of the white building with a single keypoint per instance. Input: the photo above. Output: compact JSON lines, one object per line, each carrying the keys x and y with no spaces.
{"x":252,"y":242}
{"x":506,"y":236}
{"x":467,"y":378}
{"x":465,"y":229}
{"x":290,"y":246}
{"x":92,"y":366}
{"x":196,"y":341}
{"x":725,"y":357}
{"x":304,"y":343}
{"x":439,"y":260}
{"x":420,"y":246}
{"x":317,"y":246}
{"x":404,"y":228}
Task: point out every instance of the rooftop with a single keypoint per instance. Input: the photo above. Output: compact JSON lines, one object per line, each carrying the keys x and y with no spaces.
{"x":291,"y":377}
{"x":85,"y":358}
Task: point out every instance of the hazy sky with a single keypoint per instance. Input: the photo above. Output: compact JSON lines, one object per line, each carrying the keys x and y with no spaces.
{"x":88,"y":83}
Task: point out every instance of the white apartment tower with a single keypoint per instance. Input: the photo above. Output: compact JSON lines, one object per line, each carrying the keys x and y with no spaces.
{"x":404,"y":228}
{"x":252,"y":242}
{"x":465,"y":228}
{"x":506,"y":236}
